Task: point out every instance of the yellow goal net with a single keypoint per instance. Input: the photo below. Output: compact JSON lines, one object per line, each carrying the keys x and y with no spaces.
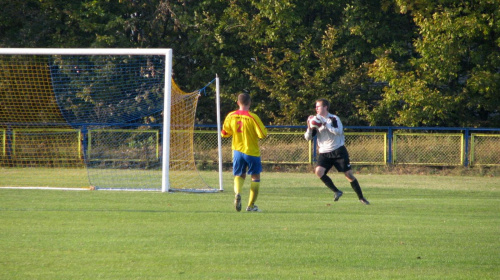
{"x":100,"y":116}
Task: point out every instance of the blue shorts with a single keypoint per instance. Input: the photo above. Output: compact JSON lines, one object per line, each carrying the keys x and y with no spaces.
{"x":242,"y":161}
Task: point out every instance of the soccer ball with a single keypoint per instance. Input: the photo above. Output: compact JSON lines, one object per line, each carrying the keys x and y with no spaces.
{"x":314,"y":122}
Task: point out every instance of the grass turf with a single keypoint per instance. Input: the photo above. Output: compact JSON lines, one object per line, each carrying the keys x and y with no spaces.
{"x":418,"y":227}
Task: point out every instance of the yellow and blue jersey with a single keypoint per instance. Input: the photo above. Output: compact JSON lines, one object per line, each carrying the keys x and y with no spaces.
{"x":246,"y":128}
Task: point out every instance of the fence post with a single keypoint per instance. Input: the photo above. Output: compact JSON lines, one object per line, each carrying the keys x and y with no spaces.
{"x":389,"y":143}
{"x":84,"y":142}
{"x":466,"y":159}
{"x":315,"y":145}
{"x":8,"y":144}
{"x":310,"y":152}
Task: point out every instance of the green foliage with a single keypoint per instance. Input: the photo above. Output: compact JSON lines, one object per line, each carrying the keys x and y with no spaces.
{"x":450,"y":79}
{"x":391,"y":62}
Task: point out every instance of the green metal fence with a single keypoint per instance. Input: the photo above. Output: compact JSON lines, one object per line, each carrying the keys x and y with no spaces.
{"x":277,"y":147}
{"x":485,"y":149}
{"x":283,"y":145}
{"x":123,"y":144}
{"x":440,"y":149}
{"x":367,"y":148}
{"x":46,"y":144}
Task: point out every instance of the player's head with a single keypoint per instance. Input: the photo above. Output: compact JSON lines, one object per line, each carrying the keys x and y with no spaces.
{"x":244,"y":99}
{"x":322,"y":106}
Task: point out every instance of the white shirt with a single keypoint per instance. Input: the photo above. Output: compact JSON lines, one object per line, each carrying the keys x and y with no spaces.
{"x":330,"y":135}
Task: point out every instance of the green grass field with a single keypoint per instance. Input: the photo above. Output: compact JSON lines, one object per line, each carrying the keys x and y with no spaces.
{"x":418,"y":227}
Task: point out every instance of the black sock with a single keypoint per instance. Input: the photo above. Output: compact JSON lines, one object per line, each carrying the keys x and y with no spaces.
{"x":329,"y":183}
{"x":357,"y":189}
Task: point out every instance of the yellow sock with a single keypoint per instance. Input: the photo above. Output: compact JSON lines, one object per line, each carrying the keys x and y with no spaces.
{"x":254,"y":192}
{"x":238,"y":184}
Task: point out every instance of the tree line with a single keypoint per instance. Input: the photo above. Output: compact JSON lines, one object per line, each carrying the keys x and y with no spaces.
{"x":379,"y":62}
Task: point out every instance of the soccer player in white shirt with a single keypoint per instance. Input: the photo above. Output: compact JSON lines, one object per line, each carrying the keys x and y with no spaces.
{"x":332,"y":152}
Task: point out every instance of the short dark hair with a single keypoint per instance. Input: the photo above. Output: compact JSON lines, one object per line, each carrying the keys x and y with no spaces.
{"x":244,"y":99}
{"x":324,"y":102}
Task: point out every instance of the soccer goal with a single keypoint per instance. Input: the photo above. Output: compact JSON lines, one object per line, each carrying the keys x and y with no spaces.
{"x":115,"y":113}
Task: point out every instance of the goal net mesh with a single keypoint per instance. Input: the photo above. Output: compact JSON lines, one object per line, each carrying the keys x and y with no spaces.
{"x":102,"y":114}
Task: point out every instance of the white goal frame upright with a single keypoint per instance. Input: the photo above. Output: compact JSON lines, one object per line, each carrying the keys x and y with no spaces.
{"x":165,"y":185}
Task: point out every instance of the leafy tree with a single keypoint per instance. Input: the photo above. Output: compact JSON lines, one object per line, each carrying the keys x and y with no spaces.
{"x":22,"y":24}
{"x":401,"y":62}
{"x":453,"y":77}
{"x":296,"y":51}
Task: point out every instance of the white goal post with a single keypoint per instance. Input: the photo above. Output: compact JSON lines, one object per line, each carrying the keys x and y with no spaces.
{"x":167,"y":102}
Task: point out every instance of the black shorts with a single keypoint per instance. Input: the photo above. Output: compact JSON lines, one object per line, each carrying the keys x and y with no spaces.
{"x":338,"y":158}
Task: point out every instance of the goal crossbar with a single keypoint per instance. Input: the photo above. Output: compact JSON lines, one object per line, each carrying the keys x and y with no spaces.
{"x":82,"y":51}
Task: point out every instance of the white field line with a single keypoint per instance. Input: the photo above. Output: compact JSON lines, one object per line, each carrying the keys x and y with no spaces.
{"x":48,"y":188}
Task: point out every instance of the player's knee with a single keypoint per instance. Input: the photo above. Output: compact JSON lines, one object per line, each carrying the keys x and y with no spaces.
{"x":349,"y":176}
{"x":319,"y":172}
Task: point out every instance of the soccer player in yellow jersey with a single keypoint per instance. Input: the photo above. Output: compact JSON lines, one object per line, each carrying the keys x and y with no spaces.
{"x":246,"y":128}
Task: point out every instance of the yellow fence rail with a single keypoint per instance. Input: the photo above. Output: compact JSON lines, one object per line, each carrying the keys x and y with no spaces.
{"x":484,"y":149}
{"x":138,"y":145}
{"x":439,"y":149}
{"x":46,"y":144}
{"x":3,"y":135}
{"x":280,"y":147}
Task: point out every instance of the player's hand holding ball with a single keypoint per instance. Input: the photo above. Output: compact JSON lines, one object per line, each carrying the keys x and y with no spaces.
{"x":314,"y":122}
{"x":309,"y":121}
